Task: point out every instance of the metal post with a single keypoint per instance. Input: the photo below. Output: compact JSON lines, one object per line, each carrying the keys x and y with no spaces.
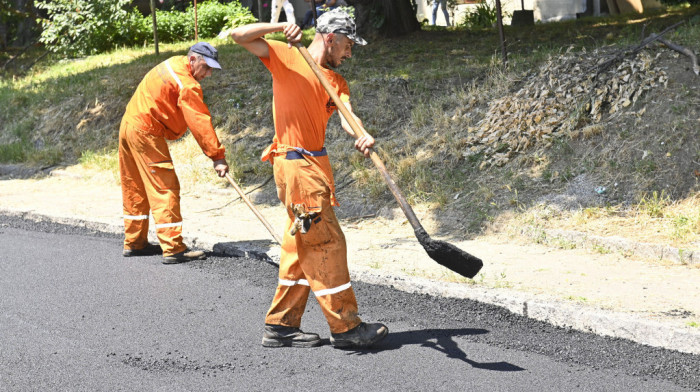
{"x":155,"y":25}
{"x":195,"y":21}
{"x":501,"y":33}
{"x":313,"y":11}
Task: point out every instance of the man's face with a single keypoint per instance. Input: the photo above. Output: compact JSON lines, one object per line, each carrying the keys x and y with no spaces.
{"x":338,"y":49}
{"x":199,"y":67}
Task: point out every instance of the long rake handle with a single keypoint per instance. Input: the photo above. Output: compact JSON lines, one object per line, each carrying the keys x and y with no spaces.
{"x":252,"y":207}
{"x":358,"y":132}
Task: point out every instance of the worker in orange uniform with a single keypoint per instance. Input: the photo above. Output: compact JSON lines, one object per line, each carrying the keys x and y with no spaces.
{"x":168,"y":100}
{"x":314,"y":253}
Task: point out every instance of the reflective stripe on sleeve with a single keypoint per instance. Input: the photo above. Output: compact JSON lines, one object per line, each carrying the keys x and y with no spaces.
{"x":136,"y":217}
{"x":164,"y":225}
{"x":172,"y":73}
{"x":303,"y":282}
{"x":333,"y":290}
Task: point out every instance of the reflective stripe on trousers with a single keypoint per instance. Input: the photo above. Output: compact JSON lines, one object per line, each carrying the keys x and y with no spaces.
{"x":304,"y":282}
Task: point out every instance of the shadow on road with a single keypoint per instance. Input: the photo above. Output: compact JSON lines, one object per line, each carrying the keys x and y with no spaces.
{"x":440,"y":340}
{"x":256,"y":250}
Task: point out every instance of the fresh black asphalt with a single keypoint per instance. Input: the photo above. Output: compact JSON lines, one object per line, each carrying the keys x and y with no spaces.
{"x":76,"y":315}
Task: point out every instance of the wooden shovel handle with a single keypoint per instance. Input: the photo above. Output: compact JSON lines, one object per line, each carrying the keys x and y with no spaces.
{"x":252,"y":207}
{"x":359,"y":132}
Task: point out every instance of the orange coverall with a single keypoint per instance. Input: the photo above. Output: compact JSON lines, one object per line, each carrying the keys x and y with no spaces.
{"x":317,"y":260}
{"x":167,"y":101}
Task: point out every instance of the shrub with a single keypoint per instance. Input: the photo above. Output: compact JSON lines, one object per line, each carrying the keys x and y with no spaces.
{"x":174,"y":26}
{"x":212,"y":18}
{"x":82,"y":27}
{"x":133,"y":30}
{"x":238,"y":15}
{"x":483,"y":16}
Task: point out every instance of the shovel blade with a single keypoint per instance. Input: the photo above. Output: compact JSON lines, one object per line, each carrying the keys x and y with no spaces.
{"x":450,"y":256}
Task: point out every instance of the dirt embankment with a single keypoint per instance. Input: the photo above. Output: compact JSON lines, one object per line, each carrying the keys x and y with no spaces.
{"x":624,"y":141}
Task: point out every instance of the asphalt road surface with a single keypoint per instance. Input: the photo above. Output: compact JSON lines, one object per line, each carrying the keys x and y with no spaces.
{"x":77,"y":316}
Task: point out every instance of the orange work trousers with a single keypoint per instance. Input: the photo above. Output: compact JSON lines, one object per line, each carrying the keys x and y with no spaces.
{"x":149,"y":183}
{"x":316,"y":260}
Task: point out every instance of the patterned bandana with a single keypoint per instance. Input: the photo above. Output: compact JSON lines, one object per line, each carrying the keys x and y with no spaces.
{"x":338,"y":21}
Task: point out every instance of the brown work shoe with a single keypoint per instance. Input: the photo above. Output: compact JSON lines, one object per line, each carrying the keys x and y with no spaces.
{"x":148,"y":250}
{"x":184,"y":257}
{"x":364,"y":335}
{"x":282,"y":336}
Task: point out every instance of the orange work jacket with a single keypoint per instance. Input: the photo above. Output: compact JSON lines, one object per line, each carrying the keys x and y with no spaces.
{"x":168,"y":101}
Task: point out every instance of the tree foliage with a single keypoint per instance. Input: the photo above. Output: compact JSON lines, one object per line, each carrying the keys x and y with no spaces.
{"x":212,"y":17}
{"x":83,"y":27}
{"x":483,"y":15}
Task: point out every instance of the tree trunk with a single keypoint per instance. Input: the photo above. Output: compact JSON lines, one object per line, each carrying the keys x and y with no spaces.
{"x":3,"y":36}
{"x":385,"y":18}
{"x":19,"y":26}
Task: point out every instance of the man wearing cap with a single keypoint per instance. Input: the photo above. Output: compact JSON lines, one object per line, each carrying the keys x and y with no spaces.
{"x":314,"y":253}
{"x":167,"y":102}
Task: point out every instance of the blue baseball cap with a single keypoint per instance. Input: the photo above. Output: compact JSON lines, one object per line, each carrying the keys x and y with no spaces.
{"x":211,"y":56}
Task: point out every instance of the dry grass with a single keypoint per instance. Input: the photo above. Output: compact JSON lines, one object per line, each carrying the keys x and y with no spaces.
{"x":652,"y":220}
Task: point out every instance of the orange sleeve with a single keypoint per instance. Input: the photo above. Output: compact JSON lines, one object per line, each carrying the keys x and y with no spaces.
{"x":198,"y":120}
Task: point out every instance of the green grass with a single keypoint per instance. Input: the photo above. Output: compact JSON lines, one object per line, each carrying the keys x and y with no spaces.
{"x":500,"y":281}
{"x":563,"y":243}
{"x":682,"y":226}
{"x":603,"y":250}
{"x":654,"y":204}
{"x":52,"y":104}
{"x":100,"y":161}
{"x":15,"y":152}
{"x":14,"y":144}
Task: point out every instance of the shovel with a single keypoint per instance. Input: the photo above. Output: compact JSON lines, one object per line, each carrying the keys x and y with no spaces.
{"x":445,"y":254}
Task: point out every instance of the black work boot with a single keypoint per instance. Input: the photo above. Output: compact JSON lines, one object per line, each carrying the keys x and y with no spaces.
{"x":282,"y":336}
{"x":184,"y":256}
{"x":148,"y":250}
{"x":364,"y":335}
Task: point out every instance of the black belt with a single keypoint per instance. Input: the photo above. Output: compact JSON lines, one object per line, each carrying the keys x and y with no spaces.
{"x":298,"y":153}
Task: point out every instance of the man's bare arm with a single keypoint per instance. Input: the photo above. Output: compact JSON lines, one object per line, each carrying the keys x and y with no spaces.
{"x":250,"y":36}
{"x":363,"y":143}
